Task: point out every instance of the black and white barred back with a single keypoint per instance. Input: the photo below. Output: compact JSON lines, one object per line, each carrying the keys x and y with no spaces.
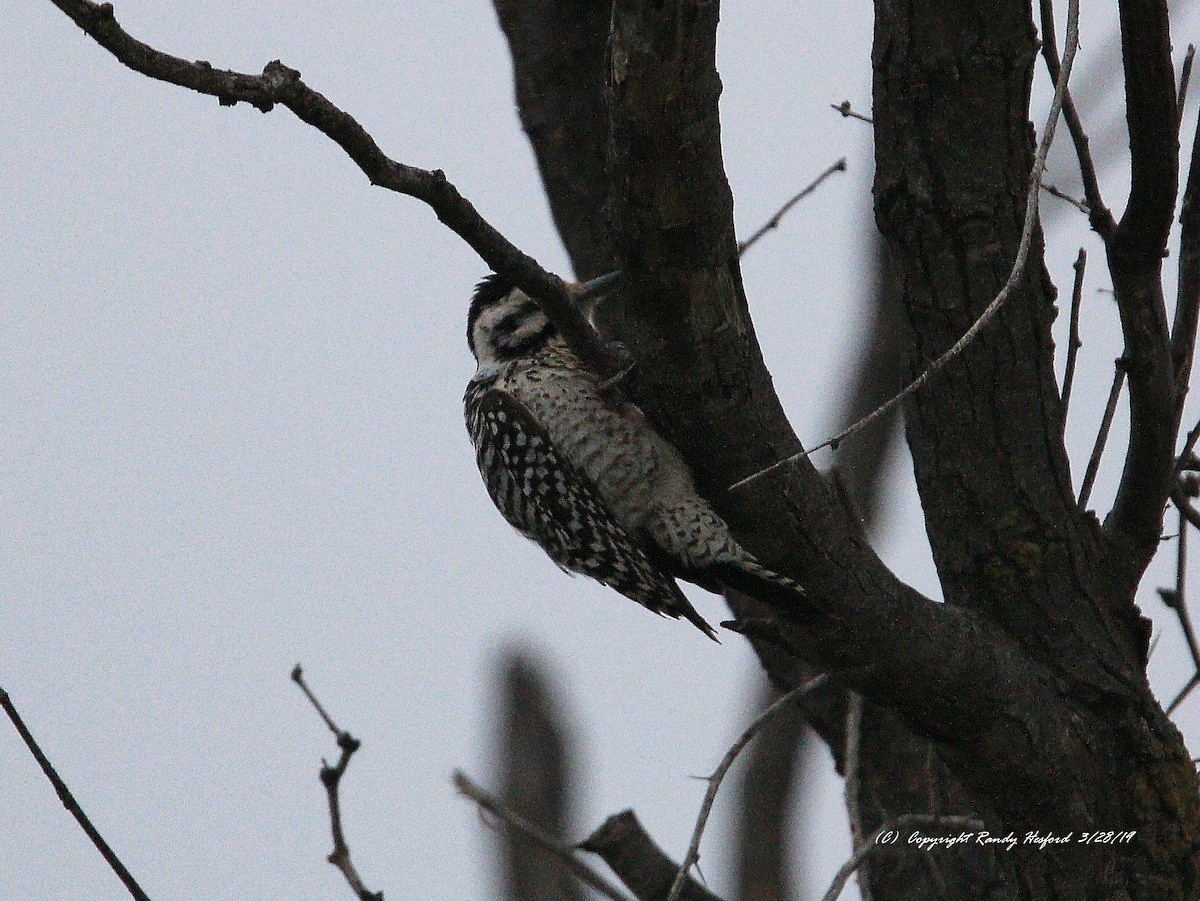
{"x":589,"y":480}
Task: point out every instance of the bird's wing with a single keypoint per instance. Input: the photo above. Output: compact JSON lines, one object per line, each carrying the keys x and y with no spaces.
{"x":550,"y":501}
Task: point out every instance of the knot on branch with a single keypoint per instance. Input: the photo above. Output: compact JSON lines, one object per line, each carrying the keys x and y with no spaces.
{"x":278,"y":76}
{"x":279,"y":81}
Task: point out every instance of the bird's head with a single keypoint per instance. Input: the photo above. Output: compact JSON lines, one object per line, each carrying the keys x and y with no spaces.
{"x":504,"y":324}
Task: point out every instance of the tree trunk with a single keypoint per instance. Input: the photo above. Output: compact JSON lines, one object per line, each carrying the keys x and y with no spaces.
{"x":1023,"y":699}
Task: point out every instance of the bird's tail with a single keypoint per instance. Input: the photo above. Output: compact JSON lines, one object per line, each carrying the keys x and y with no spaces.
{"x":683,"y":607}
{"x":672,"y":602}
{"x":749,"y":576}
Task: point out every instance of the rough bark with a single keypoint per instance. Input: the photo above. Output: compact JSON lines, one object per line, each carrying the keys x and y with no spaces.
{"x":1019,"y":682}
{"x":545,"y":85}
{"x":951,"y":117}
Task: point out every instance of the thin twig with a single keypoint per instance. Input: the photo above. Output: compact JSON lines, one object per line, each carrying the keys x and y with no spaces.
{"x":1073,"y":341}
{"x":281,"y":85}
{"x":535,"y":834}
{"x":1014,"y":276}
{"x":848,"y":112}
{"x":1184,"y":506}
{"x":1185,"y":76}
{"x":714,"y":781}
{"x":1099,"y":215}
{"x":905,"y":821}
{"x":1184,"y":692}
{"x":1176,"y":599}
{"x":331,"y":777}
{"x":1093,"y":467}
{"x":854,"y":715}
{"x":69,"y":802}
{"x":1187,"y":297}
{"x":298,"y":678}
{"x":1189,"y":447}
{"x":773,"y":222}
{"x":1055,"y":191}
{"x":1186,"y":462}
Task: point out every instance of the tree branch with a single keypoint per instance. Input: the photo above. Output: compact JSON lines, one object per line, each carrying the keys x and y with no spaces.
{"x":1073,"y":342}
{"x":773,"y":222}
{"x":714,"y":781}
{"x":1015,"y":275}
{"x":1176,"y":599}
{"x":1187,"y":301}
{"x":1135,"y":253}
{"x":537,"y":772}
{"x":69,"y":802}
{"x":1098,"y":214}
{"x":538,"y":836}
{"x":331,"y":778}
{"x":953,"y":673}
{"x":1110,"y":410}
{"x":281,"y":85}
{"x":623,"y":844}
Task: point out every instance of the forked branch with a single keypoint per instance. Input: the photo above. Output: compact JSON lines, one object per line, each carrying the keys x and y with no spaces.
{"x":1098,"y":214}
{"x":331,"y":778}
{"x":1015,"y":275}
{"x":1135,"y":253}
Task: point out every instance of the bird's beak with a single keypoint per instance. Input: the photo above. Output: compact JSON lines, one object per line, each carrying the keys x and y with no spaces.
{"x":592,"y":292}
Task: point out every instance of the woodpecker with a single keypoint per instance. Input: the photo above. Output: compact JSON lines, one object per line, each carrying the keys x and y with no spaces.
{"x":584,"y":475}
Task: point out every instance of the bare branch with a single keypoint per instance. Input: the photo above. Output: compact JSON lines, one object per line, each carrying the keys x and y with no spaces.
{"x":69,"y":802}
{"x":1185,"y":487}
{"x":1014,"y":277}
{"x":1184,"y":692}
{"x":281,"y":85}
{"x":298,"y":678}
{"x":1099,"y":215}
{"x":1151,"y":111}
{"x":907,"y":821}
{"x":772,"y":780}
{"x":631,"y":853}
{"x":1073,"y":342}
{"x":848,"y":112}
{"x":331,"y":777}
{"x":1135,"y":258}
{"x":714,"y":781}
{"x":773,"y":222}
{"x":535,"y":770}
{"x":854,"y":714}
{"x":538,"y":836}
{"x":1186,"y":460}
{"x":1093,"y":467}
{"x":1176,"y":599}
{"x":1187,"y":300}
{"x":1054,"y":191}
{"x":1185,"y":76}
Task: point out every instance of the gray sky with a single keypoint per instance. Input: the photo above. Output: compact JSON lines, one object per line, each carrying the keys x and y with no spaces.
{"x":230,"y":412}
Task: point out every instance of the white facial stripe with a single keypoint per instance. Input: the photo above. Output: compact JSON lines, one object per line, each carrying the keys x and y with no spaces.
{"x":508,"y":328}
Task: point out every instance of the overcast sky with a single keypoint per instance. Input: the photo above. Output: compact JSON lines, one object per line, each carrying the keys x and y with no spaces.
{"x":231,"y":430}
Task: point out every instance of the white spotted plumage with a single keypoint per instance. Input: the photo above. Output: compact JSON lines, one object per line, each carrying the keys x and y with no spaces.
{"x":586,"y":478}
